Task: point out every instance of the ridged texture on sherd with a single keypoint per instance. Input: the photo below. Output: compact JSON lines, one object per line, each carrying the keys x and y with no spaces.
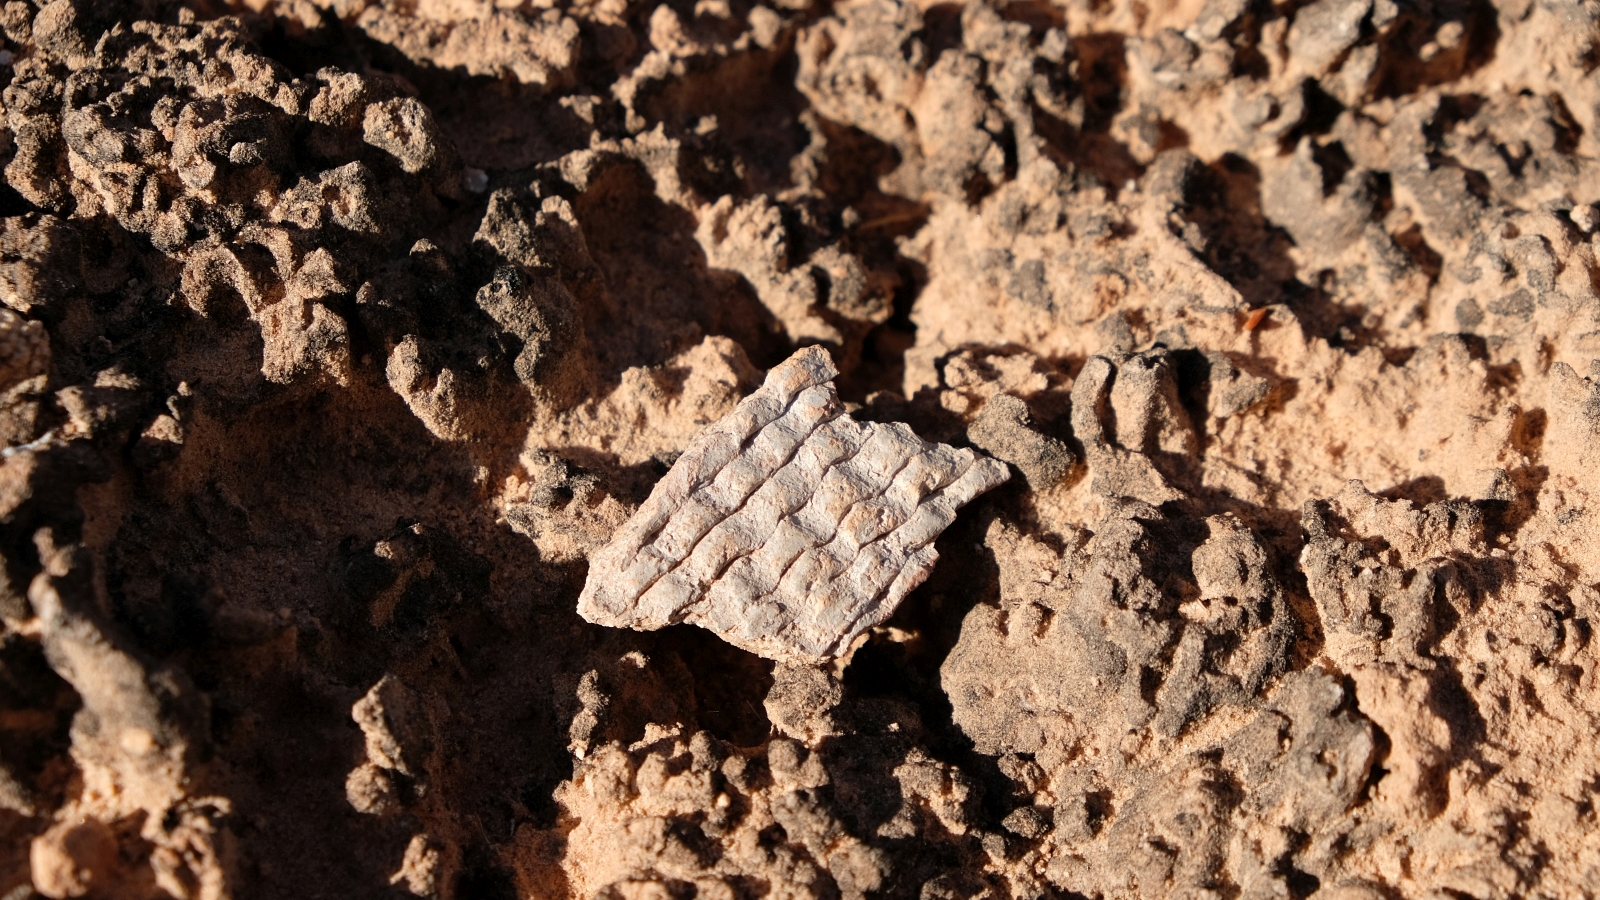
{"x":787,"y":528}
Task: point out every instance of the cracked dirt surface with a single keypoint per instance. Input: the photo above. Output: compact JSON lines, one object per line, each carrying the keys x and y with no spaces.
{"x":338,"y":336}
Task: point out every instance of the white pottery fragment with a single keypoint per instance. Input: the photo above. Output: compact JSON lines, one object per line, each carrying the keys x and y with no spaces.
{"x":788,"y":528}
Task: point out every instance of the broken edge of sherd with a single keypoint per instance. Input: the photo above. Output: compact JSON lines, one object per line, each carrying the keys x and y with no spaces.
{"x":620,"y":574}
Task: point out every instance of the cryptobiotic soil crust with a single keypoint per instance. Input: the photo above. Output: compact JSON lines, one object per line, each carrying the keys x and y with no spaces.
{"x":340,"y":336}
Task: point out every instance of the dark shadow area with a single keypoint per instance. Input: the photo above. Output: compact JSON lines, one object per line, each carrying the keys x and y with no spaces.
{"x":484,"y":877}
{"x":1504,"y":518}
{"x":1322,"y":109}
{"x":1213,"y":380}
{"x":664,"y":297}
{"x":853,"y":163}
{"x":1087,"y":144}
{"x":1423,"y":256}
{"x":629,"y":484}
{"x":1409,"y":65}
{"x":38,"y":708}
{"x":11,"y":202}
{"x":1038,"y":15}
{"x":299,"y":46}
{"x":503,"y":126}
{"x":1421,"y":491}
{"x":219,"y":587}
{"x":730,"y":685}
{"x":1223,"y":200}
{"x":502,"y":123}
{"x":752,"y":99}
{"x":883,"y":352}
{"x":941,"y":28}
{"x":893,"y":693}
{"x":873,"y":222}
{"x":1528,"y":437}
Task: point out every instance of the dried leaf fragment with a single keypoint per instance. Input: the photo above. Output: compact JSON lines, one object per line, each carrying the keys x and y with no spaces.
{"x":787,"y":527}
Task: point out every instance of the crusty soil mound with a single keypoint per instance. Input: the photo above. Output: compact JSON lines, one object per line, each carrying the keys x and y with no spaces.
{"x":338,"y":335}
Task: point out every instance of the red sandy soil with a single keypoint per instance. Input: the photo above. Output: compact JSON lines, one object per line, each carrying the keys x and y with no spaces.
{"x":338,"y":336}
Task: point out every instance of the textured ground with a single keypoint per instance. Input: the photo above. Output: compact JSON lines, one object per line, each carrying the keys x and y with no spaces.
{"x":338,"y":336}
